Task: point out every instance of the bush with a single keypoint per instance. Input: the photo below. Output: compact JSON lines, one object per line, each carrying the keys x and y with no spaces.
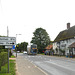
{"x":4,"y":50}
{"x":3,"y":59}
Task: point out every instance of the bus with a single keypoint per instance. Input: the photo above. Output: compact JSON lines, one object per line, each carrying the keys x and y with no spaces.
{"x":32,"y":49}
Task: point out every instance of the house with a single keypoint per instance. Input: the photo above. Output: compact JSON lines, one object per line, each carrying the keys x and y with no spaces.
{"x":49,"y":47}
{"x":72,"y":49}
{"x":64,"y":41}
{"x":49,"y":50}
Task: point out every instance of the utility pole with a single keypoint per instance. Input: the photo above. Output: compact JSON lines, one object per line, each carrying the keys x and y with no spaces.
{"x":8,"y":49}
{"x":16,"y":43}
{"x":7,"y":31}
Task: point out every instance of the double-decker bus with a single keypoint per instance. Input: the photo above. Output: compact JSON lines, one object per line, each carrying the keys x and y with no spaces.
{"x":32,"y":49}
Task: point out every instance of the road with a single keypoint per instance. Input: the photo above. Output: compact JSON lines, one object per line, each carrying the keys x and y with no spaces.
{"x":52,"y":65}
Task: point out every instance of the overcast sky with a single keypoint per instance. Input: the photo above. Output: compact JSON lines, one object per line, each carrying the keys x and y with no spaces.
{"x":24,"y":16}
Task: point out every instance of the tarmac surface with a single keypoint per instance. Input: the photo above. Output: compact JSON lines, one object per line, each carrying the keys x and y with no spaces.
{"x":44,"y":65}
{"x":24,"y":67}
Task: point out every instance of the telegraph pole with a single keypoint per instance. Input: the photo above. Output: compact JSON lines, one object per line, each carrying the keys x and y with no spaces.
{"x":8,"y":49}
{"x":16,"y":43}
{"x":7,"y":31}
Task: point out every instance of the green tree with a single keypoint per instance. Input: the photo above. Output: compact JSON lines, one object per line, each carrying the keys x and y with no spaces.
{"x":41,"y":38}
{"x":22,"y":46}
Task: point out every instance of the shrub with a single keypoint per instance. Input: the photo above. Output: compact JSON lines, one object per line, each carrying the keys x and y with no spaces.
{"x":3,"y":59}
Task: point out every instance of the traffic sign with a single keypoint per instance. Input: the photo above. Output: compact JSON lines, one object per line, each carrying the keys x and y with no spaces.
{"x":7,"y":41}
{"x":8,"y":46}
{"x":13,"y":47}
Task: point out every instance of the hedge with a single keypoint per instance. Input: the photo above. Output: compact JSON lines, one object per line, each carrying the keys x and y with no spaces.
{"x":3,"y":59}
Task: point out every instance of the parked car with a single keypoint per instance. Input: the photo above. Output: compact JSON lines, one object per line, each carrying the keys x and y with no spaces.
{"x":18,"y":51}
{"x":25,"y":52}
{"x":46,"y":52}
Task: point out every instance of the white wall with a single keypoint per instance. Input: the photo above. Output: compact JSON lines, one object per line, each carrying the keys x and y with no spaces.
{"x":64,"y":45}
{"x":74,"y":51}
{"x":54,"y":46}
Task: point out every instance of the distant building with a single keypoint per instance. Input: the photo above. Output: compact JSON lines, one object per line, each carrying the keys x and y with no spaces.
{"x":65,"y":41}
{"x":49,"y":47}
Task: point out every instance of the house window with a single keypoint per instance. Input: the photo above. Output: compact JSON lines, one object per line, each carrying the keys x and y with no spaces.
{"x":67,"y":41}
{"x":54,"y":44}
{"x":58,"y":42}
{"x":62,"y":41}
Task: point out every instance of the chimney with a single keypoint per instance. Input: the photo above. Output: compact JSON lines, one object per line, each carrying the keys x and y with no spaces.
{"x":68,"y":25}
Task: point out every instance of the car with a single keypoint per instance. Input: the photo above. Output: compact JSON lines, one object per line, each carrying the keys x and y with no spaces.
{"x":25,"y":52}
{"x":46,"y":52}
{"x":18,"y":51}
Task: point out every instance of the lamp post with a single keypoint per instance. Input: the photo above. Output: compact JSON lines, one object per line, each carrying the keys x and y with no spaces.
{"x":16,"y":43}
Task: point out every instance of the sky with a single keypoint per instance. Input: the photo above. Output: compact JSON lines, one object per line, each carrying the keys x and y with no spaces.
{"x":25,"y":16}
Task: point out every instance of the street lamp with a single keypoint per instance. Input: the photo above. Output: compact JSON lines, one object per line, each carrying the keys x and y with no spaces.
{"x":16,"y":43}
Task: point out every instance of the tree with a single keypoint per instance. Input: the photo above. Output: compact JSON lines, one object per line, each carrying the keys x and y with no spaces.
{"x":40,"y":38}
{"x":22,"y":46}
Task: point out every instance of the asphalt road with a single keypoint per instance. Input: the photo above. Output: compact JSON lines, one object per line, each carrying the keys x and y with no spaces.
{"x":53,"y":65}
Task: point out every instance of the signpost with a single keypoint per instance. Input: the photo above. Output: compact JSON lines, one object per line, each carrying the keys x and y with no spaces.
{"x":8,"y":42}
{"x":8,"y":47}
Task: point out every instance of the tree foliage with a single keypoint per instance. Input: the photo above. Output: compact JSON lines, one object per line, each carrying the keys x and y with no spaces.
{"x":3,"y":59}
{"x":22,"y":46}
{"x":41,"y":38}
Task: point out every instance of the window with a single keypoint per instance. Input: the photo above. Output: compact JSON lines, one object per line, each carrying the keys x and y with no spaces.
{"x":67,"y":41}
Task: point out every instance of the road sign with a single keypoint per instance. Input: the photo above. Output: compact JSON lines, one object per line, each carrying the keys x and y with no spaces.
{"x":13,"y":47}
{"x":7,"y":41}
{"x":8,"y":46}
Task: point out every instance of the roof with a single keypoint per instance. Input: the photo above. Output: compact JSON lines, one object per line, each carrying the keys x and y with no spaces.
{"x":72,"y":45}
{"x":66,"y":34}
{"x":49,"y":47}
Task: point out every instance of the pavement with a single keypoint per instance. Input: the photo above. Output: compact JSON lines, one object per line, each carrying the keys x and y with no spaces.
{"x":25,"y":67}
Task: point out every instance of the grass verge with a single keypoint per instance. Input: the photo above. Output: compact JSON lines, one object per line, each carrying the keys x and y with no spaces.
{"x":12,"y":56}
{"x":41,"y":53}
{"x":12,"y":70}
